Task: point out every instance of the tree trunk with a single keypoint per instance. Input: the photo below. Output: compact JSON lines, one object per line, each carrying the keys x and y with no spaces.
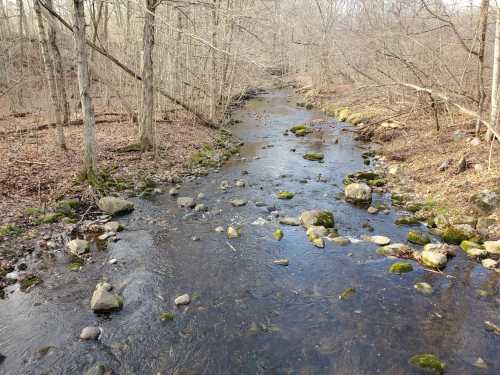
{"x":89,"y":167}
{"x":58,"y":71}
{"x":494,"y":80}
{"x":22,"y":49}
{"x":49,"y":71}
{"x":146,"y":139}
{"x":483,"y":26}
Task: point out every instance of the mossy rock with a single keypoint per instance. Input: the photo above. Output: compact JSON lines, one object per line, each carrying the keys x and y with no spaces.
{"x":67,"y":206}
{"x":29,"y":281}
{"x":401,"y":267}
{"x":418,"y":237}
{"x":363,"y":176}
{"x":285,"y":195}
{"x":376,"y":182}
{"x":406,"y":220}
{"x":301,"y":130}
{"x":325,"y":219}
{"x":357,"y":118}
{"x":10,"y":230}
{"x":167,"y":316}
{"x":454,"y":235}
{"x":278,"y":234}
{"x":467,"y":245}
{"x":347,"y":293}
{"x":428,"y":362}
{"x":342,"y":114}
{"x":74,"y":266}
{"x":314,"y":156}
{"x":399,"y":199}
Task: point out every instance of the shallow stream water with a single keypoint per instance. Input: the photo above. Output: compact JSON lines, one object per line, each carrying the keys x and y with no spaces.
{"x":249,"y":316}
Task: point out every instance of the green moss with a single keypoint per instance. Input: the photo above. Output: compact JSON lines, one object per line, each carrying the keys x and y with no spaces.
{"x":74,"y":266}
{"x":428,"y":362}
{"x":285,"y":195}
{"x":363,"y":176}
{"x":325,"y":219}
{"x":167,"y":316}
{"x":399,"y":199}
{"x":418,"y":237}
{"x":33,"y":211}
{"x":278,"y":234}
{"x":68,"y":206}
{"x":47,"y":218}
{"x":407,"y":220}
{"x":376,"y":182}
{"x":347,"y":293}
{"x":453,"y":235}
{"x":301,"y":130}
{"x":401,"y":267}
{"x":467,"y":245}
{"x":314,"y":156}
{"x":29,"y":282}
{"x":10,"y":230}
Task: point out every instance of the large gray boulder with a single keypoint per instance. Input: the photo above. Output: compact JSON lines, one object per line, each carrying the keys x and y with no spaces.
{"x":487,"y":200}
{"x":358,"y":192}
{"x":114,"y":205}
{"x":104,"y":300}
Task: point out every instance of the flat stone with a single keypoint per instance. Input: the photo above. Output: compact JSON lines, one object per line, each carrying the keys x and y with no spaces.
{"x":105,"y":236}
{"x":287,"y":220}
{"x":395,"y":249}
{"x":184,"y":299}
{"x":185,"y":202}
{"x":341,"y":241}
{"x":380,"y":240}
{"x":372,"y":210}
{"x":90,"y":333}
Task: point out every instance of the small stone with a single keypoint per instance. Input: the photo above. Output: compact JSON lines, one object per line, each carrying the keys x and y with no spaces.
{"x":424,"y":288}
{"x":219,"y":229}
{"x":232,"y":232}
{"x":113,"y":226}
{"x":285,"y":195}
{"x":114,"y":205}
{"x":90,"y":333}
{"x":173,"y":192}
{"x":433,"y":259}
{"x":428,"y":362}
{"x":319,"y":242}
{"x":260,"y":204}
{"x":281,"y":262}
{"x":185,"y":202}
{"x":113,"y":261}
{"x":490,"y":264}
{"x":103,"y":300}
{"x":380,"y":240}
{"x":418,"y":237}
{"x":477,"y":253}
{"x":240,"y":183}
{"x":185,"y":299}
{"x":201,"y":196}
{"x":195,"y":238}
{"x":99,"y":369}
{"x":293,"y":221}
{"x":358,"y":192}
{"x":238,"y":202}
{"x":260,"y":221}
{"x":78,"y":247}
{"x":200,"y":207}
{"x":372,"y":210}
{"x":278,"y":234}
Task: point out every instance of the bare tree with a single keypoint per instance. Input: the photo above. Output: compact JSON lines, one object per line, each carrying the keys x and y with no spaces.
{"x":49,"y":71}
{"x":483,"y":26}
{"x":495,"y":78}
{"x":89,"y":167}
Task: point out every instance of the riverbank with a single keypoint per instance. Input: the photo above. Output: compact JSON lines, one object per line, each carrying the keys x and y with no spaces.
{"x":450,"y":167}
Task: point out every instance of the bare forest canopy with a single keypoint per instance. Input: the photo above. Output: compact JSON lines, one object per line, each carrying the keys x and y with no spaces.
{"x":151,"y":59}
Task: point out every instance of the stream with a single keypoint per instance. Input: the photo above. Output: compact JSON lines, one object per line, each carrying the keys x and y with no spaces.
{"x":248,"y":315}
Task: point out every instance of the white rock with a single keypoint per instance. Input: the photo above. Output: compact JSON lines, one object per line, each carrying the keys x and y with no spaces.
{"x":90,"y":333}
{"x":492,"y":247}
{"x":433,"y":259}
{"x":281,"y":262}
{"x":112,"y":261}
{"x":372,"y":210}
{"x":173,"y":192}
{"x":259,"y":221}
{"x":232,"y":232}
{"x":219,"y":229}
{"x":380,"y":240}
{"x":185,"y":202}
{"x":424,"y":288}
{"x":294,"y":221}
{"x":314,"y":232}
{"x":185,"y":299}
{"x":489,"y":263}
{"x":341,"y":241}
{"x":358,"y":192}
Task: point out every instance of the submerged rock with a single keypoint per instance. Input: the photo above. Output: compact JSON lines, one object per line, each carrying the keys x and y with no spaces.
{"x":319,"y":242}
{"x":341,"y":241}
{"x":104,"y":300}
{"x":407,"y":220}
{"x":358,"y":193}
{"x":200,"y":207}
{"x":285,"y":195}
{"x":428,"y":362}
{"x":185,"y":202}
{"x":184,"y":299}
{"x":314,"y":232}
{"x":401,"y":267}
{"x":314,"y":156}
{"x":424,"y":288}
{"x":455,"y":234}
{"x":238,"y":202}
{"x":99,"y":369}
{"x":114,"y":205}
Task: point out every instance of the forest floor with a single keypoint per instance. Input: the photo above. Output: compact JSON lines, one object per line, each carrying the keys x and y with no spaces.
{"x":447,"y":166}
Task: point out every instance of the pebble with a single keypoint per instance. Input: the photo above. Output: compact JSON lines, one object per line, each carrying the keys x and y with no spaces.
{"x":380,"y":240}
{"x":480,"y":363}
{"x":185,"y":299}
{"x":90,"y":333}
{"x":232,"y":232}
{"x":238,"y":202}
{"x":219,"y":229}
{"x":424,"y":288}
{"x":194,"y":238}
{"x":240,"y":183}
{"x":112,"y":261}
{"x":372,"y":210}
{"x":281,"y":262}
